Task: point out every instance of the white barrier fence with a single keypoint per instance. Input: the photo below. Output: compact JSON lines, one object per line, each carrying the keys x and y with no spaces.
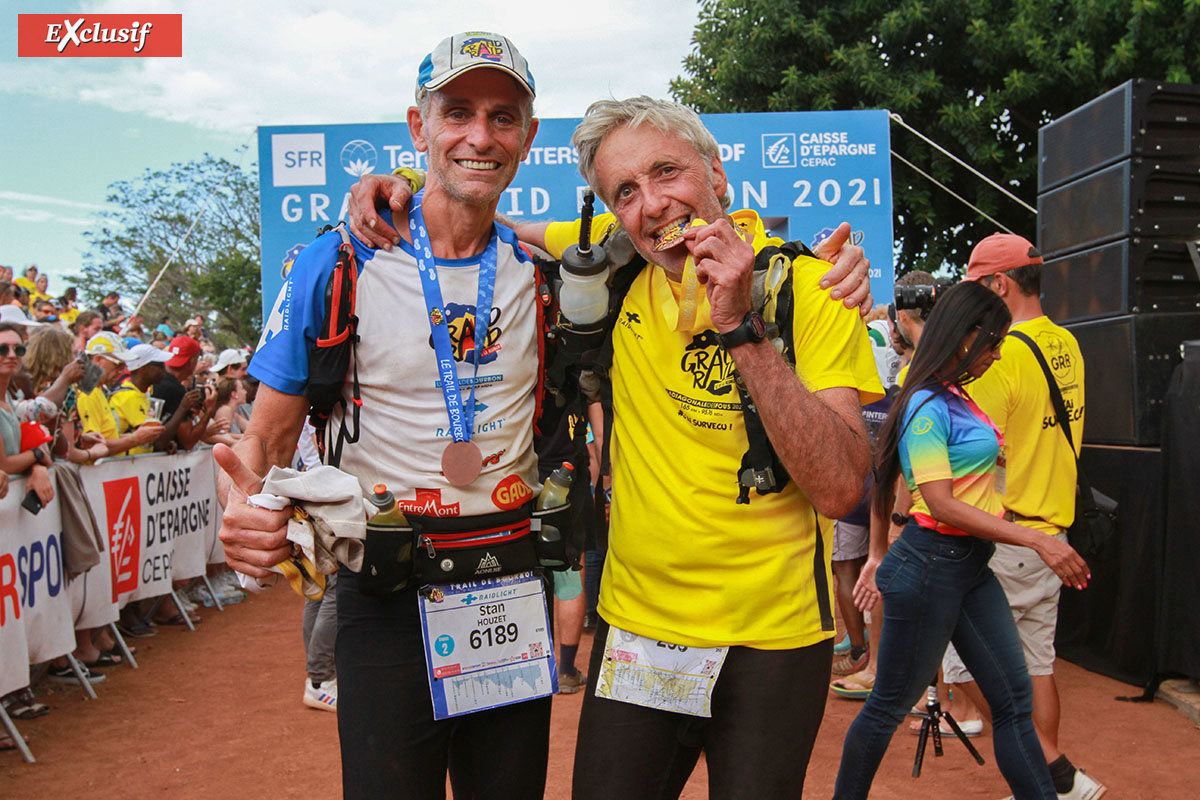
{"x":158,"y":517}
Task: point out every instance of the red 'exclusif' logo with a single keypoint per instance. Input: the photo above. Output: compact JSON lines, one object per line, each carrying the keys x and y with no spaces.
{"x":510,"y":493}
{"x":123,"y":507}
{"x":99,"y":35}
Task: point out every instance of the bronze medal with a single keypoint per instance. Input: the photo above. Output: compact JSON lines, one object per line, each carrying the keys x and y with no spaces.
{"x":670,"y":239}
{"x":461,"y":463}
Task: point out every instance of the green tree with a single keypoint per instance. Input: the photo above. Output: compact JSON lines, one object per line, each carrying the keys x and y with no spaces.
{"x":216,"y":272}
{"x":977,"y":76}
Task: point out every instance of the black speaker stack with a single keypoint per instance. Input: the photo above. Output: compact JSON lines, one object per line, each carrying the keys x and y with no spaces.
{"x":1118,"y":223}
{"x":1119,"y":226}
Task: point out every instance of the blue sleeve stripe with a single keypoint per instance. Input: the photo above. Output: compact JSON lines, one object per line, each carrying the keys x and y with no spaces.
{"x":280,"y":383}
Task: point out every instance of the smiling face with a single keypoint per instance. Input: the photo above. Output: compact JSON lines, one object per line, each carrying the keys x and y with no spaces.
{"x":10,"y":364}
{"x":476,"y":134}
{"x":654,"y":182}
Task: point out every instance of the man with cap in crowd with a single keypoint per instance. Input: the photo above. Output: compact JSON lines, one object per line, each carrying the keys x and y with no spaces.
{"x":130,"y":402}
{"x":108,"y":352}
{"x":1040,"y":475}
{"x":186,"y":410}
{"x":230,"y":364}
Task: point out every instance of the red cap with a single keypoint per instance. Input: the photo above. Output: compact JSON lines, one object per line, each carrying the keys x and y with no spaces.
{"x":184,"y":347}
{"x":1000,"y":252}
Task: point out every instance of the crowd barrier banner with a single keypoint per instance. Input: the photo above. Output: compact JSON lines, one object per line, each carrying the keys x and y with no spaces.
{"x":158,"y":513}
{"x":35,"y":610}
{"x":159,"y":518}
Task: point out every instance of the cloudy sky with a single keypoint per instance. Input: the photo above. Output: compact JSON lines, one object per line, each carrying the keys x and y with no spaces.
{"x":69,"y":127}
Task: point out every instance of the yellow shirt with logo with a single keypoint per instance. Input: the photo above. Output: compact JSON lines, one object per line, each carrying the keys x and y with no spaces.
{"x":1040,"y":482}
{"x":686,"y":564}
{"x":561,"y":235}
{"x":95,"y":413}
{"x":130,"y":405}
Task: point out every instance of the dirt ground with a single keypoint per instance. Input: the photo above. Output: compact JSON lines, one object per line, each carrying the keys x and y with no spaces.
{"x":217,"y":713}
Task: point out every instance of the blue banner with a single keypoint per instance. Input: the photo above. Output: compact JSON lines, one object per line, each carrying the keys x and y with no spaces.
{"x":803,"y":172}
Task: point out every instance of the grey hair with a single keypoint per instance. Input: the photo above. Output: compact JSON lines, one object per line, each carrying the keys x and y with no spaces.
{"x":605,"y":116}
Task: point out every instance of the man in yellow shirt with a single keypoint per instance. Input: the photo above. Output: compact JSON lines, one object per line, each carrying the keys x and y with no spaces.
{"x":28,"y":281}
{"x":1041,"y":472}
{"x":129,"y":401}
{"x":741,"y":590}
{"x":108,"y":352}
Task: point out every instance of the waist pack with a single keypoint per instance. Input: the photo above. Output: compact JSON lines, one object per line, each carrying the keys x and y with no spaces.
{"x":456,"y":549}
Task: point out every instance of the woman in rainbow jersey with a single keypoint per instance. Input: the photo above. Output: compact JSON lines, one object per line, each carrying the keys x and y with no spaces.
{"x":935,"y":580}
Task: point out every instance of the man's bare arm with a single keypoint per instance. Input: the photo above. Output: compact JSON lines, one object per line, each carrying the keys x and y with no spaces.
{"x":819,"y":436}
{"x":533,"y":233}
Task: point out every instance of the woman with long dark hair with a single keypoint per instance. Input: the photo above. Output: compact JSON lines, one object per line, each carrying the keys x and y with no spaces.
{"x":935,"y":579}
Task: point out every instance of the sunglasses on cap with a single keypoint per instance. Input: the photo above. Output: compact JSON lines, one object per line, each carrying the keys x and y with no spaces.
{"x":18,"y":350}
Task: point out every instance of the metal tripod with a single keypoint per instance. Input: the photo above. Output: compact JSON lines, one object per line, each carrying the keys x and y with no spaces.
{"x":931,"y":723}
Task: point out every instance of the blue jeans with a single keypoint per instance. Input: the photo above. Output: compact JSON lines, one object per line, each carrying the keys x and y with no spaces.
{"x":936,"y":589}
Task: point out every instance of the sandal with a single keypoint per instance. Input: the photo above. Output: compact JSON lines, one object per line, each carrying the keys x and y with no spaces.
{"x":854,"y":687}
{"x":177,"y":619}
{"x":23,"y":705}
{"x":106,"y":659}
{"x":138,"y":629}
{"x":7,"y":743}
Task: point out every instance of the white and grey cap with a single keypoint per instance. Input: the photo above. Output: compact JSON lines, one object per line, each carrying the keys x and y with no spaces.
{"x":464,"y":52}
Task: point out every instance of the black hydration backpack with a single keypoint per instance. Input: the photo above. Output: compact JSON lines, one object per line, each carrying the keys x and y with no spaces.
{"x":331,"y":358}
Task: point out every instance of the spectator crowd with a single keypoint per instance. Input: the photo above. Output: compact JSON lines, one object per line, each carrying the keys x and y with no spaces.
{"x":78,"y":385}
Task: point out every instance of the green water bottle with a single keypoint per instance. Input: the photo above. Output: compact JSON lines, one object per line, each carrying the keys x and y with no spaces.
{"x":556,"y":488}
{"x":389,"y":515}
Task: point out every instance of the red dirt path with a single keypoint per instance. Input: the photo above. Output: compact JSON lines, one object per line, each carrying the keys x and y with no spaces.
{"x":217,"y":714}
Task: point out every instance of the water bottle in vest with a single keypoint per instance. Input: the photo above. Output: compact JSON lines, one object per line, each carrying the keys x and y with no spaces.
{"x":389,"y":515}
{"x":556,"y":488}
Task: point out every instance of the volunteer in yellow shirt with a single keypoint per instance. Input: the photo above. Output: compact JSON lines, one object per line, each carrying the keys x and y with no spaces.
{"x":96,"y":414}
{"x":129,"y":401}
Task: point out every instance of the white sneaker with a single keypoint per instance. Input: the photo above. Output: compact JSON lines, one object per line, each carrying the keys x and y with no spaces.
{"x":323,"y":697}
{"x":1085,"y":788}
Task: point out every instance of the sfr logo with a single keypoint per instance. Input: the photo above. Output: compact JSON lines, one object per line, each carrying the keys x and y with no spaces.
{"x":99,"y":35}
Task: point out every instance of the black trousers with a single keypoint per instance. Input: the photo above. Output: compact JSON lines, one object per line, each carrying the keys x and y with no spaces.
{"x":766,"y":710}
{"x":391,"y":744}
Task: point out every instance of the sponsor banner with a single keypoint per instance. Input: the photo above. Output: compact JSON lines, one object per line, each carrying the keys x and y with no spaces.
{"x":35,"y":611}
{"x":157,"y":514}
{"x":99,"y":35}
{"x":91,"y":596}
{"x":803,"y":172}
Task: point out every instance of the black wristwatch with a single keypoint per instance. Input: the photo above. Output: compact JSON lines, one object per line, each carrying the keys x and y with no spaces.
{"x":752,"y":329}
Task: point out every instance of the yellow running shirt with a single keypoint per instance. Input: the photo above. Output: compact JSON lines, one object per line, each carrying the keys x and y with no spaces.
{"x":1041,"y":468}
{"x":130,"y":405}
{"x":95,"y":414}
{"x":686,"y":564}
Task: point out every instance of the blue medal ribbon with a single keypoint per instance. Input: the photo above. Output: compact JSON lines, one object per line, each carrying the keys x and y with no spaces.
{"x":462,"y":419}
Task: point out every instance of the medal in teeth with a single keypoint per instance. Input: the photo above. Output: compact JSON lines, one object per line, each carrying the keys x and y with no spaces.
{"x":670,"y":239}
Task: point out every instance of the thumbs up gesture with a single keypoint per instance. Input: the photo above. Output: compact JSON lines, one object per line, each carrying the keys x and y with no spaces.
{"x":254,"y":538}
